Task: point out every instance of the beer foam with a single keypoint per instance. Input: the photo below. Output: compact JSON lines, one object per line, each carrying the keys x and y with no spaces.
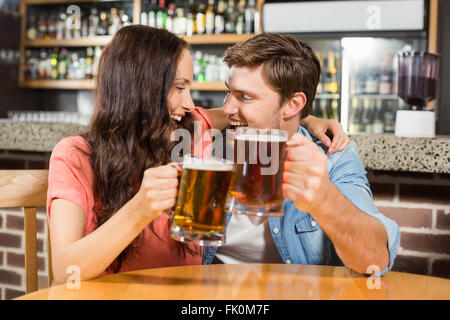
{"x":207,"y":164}
{"x":260,"y":138}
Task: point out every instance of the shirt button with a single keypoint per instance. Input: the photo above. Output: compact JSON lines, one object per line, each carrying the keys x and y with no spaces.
{"x":288,"y":261}
{"x":275,"y":230}
{"x":313,"y":223}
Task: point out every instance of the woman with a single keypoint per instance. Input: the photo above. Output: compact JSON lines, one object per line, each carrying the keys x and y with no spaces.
{"x":108,"y":188}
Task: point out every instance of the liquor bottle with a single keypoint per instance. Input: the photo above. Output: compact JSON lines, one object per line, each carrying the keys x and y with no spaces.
{"x":230,"y":17}
{"x":323,"y":108}
{"x":152,"y":13}
{"x":219,"y":19}
{"x":89,"y":71}
{"x":76,"y":25}
{"x":180,"y":22}
{"x":240,"y":21}
{"x":317,"y":109}
{"x":54,"y":64}
{"x":161,"y":15}
{"x":170,"y":21}
{"x":33,"y":66}
{"x":27,"y":67}
{"x":257,"y":23}
{"x":102,"y":29}
{"x":62,"y":64}
{"x":61,"y":26}
{"x":51,"y":27}
{"x":331,"y":109}
{"x":191,"y":14}
{"x":320,"y":85}
{"x":373,"y":79}
{"x":356,"y":125}
{"x":114,"y":22}
{"x":210,"y":69}
{"x":389,"y":116}
{"x":366,"y":115}
{"x":250,"y":17}
{"x":124,"y":18}
{"x":200,"y":18}
{"x":32,"y":29}
{"x":42,"y":67}
{"x":209,"y":19}
{"x":371,"y":116}
{"x":199,"y":70}
{"x":98,"y":53}
{"x":378,"y":124}
{"x":144,"y":13}
{"x":386,"y":76}
{"x":85,"y":25}
{"x":330,"y":80}
{"x":42,"y":27}
{"x":93,"y":22}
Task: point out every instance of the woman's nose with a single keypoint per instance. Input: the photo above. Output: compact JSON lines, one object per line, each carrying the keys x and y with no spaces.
{"x":188,"y":105}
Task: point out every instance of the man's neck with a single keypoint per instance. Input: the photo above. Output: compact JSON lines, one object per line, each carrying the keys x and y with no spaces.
{"x":290,"y":126}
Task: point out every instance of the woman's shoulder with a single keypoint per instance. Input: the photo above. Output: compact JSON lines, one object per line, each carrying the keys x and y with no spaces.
{"x":73,"y":146}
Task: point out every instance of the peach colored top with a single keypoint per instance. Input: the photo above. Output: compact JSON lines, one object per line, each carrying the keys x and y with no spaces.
{"x":71,"y":178}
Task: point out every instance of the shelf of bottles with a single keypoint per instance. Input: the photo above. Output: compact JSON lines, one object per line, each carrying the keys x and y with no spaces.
{"x":56,"y":33}
{"x":205,"y":21}
{"x":373,"y":99}
{"x":326,"y":103}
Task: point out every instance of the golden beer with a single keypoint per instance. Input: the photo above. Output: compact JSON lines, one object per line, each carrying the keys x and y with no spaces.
{"x":199,"y":213}
{"x":256,"y":185}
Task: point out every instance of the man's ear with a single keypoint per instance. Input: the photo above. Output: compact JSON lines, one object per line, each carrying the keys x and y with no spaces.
{"x":293,"y":106}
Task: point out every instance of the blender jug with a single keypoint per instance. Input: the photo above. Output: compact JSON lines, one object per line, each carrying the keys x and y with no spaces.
{"x":418,"y":83}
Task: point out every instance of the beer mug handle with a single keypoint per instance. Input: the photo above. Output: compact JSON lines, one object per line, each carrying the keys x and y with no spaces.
{"x":179,"y":166}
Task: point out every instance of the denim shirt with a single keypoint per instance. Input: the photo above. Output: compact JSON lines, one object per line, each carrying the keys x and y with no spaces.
{"x":299,"y":238}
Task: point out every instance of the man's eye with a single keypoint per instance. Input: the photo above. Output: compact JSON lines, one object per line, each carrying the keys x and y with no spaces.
{"x":246,"y":98}
{"x":180,"y":88}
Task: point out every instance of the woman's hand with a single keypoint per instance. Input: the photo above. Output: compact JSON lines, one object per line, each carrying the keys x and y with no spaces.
{"x":320,"y":127}
{"x":158,"y":189}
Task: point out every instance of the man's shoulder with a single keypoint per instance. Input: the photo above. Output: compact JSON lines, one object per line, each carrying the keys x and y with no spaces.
{"x":349,"y":153}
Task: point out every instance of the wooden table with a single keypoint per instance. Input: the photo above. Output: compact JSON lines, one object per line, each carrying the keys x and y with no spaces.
{"x":251,"y":281}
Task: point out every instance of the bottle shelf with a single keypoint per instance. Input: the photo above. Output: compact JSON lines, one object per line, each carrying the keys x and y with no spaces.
{"x":75,"y":42}
{"x":375,"y":96}
{"x":89,"y":84}
{"x":85,"y":84}
{"x":327,"y":96}
{"x":225,"y":38}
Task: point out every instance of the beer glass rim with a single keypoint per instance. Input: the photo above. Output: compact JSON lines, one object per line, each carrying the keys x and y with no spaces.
{"x":191,"y":161}
{"x":261,"y":134}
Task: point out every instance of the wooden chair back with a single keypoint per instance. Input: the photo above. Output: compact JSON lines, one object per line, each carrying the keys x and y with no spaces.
{"x":27,"y":189}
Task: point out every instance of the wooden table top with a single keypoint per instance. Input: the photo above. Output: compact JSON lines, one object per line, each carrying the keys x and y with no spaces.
{"x":251,"y":281}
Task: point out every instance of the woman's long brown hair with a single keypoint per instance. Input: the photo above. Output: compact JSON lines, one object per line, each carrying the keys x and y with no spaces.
{"x":130,"y":128}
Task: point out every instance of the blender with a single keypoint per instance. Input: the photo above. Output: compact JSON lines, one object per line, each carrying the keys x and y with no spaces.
{"x":418,"y":82}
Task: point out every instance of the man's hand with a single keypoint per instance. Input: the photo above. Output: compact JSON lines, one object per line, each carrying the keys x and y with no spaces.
{"x":305,"y":179}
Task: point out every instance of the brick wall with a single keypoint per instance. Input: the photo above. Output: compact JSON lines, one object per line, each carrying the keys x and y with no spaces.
{"x":12,"y":249}
{"x":418,"y":202}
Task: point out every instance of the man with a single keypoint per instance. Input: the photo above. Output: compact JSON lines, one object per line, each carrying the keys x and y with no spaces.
{"x":330,"y":217}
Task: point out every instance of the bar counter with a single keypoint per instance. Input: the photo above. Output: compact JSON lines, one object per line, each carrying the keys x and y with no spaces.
{"x":378,"y":152}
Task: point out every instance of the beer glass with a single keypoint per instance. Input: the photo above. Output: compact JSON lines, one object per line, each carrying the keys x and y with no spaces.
{"x":199,"y":215}
{"x":256,"y":184}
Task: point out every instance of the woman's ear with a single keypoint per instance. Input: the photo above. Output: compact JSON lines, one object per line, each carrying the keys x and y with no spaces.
{"x":293,"y":106}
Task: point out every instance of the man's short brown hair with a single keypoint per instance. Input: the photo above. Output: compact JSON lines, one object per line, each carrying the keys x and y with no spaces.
{"x":290,"y":65}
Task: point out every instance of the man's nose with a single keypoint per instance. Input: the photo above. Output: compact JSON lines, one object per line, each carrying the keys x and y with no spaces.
{"x":229,"y":107}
